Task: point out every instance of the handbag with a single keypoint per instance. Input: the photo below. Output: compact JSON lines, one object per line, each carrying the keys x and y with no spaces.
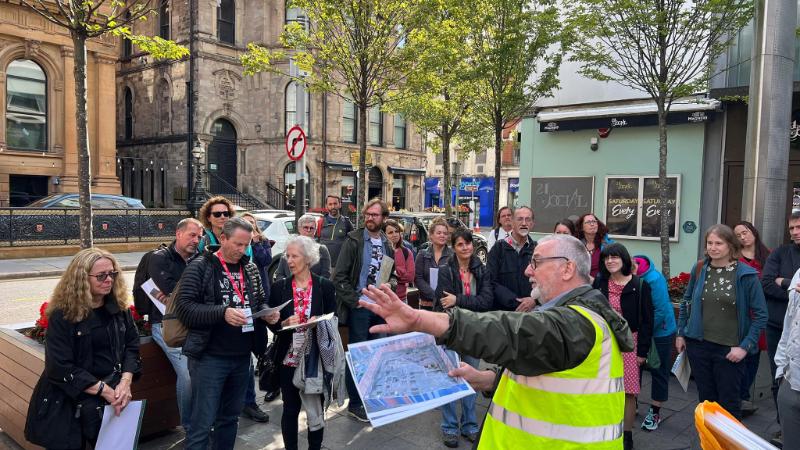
{"x":268,"y":376}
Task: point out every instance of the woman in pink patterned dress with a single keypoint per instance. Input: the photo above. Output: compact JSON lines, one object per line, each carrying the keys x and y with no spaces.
{"x":630,"y":297}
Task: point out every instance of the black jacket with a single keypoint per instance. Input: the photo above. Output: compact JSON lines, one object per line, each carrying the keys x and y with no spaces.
{"x":199,"y":303}
{"x":450,"y":281}
{"x":423,"y":264}
{"x":165,"y":267}
{"x":333,"y":234}
{"x":69,"y":359}
{"x":348,"y":270}
{"x":638,"y":315}
{"x":783,"y":262}
{"x":323,"y":301}
{"x":507,"y":271}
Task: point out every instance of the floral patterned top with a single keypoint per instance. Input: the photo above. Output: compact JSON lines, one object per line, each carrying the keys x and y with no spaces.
{"x":720,"y":319}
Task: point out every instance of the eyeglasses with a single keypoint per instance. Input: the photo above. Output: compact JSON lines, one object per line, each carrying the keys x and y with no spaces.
{"x":538,"y":261}
{"x":372,"y":216}
{"x":101,"y":277}
{"x":219,"y":214}
{"x":590,"y":222}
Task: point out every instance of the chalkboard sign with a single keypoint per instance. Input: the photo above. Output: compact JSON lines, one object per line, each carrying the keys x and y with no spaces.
{"x":622,"y":206}
{"x":651,"y":207}
{"x":556,"y":198}
{"x":633,"y":207}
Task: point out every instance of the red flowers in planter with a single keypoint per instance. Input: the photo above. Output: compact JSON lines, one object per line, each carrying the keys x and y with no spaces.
{"x":677,"y":286}
{"x":40,"y":326}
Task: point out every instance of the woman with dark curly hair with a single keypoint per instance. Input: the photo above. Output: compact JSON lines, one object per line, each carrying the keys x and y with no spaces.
{"x":91,"y":354}
{"x":594,"y":235}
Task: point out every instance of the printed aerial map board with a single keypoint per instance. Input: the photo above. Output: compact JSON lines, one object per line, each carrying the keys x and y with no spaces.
{"x":402,"y":376}
{"x":556,"y":198}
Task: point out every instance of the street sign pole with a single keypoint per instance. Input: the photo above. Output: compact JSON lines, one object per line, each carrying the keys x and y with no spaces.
{"x":300,"y":166}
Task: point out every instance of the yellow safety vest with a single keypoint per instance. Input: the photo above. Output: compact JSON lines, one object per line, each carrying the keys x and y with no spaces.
{"x":579,"y":408}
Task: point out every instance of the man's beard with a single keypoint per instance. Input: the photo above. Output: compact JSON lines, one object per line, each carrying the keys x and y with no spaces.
{"x":536,"y":293}
{"x":372,"y":226}
{"x":333,"y":212}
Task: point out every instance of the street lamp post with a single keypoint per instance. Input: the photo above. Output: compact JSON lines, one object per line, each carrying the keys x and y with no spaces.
{"x":198,"y":193}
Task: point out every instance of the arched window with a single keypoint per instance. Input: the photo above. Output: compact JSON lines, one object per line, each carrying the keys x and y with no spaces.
{"x":163,"y":19}
{"x":226,"y":21}
{"x":128,"y":114}
{"x":290,"y":183}
{"x":26,"y":106}
{"x":164,"y":106}
{"x":290,"y":103}
{"x":295,"y":15}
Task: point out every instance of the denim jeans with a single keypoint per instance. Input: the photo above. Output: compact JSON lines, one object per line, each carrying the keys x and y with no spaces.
{"x":718,"y":380}
{"x":183,"y":384}
{"x":250,"y":393}
{"x":218,"y":388}
{"x":660,"y":377}
{"x":751,"y":370}
{"x":468,"y":423}
{"x":359,"y":322}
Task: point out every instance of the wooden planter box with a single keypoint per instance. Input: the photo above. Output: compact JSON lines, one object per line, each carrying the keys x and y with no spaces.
{"x":22,"y":362}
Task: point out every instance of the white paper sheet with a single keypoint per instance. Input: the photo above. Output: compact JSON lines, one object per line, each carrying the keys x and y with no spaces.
{"x":682,"y":370}
{"x":268,"y":311}
{"x":149,"y":287}
{"x":121,"y":433}
{"x":386,"y":270}
{"x":310,"y":322}
{"x":434,"y":278}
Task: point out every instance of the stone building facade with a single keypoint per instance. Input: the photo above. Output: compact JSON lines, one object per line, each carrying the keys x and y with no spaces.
{"x":241,"y":121}
{"x":38,"y":139}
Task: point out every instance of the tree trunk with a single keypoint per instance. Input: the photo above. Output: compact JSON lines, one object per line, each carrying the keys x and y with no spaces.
{"x":498,"y":160}
{"x":362,"y":161}
{"x":663,"y":190}
{"x":84,"y":158}
{"x":448,"y":187}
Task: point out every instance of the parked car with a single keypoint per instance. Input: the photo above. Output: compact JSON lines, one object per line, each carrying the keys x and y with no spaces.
{"x":103,"y":201}
{"x":278,"y":228}
{"x":416,"y":231}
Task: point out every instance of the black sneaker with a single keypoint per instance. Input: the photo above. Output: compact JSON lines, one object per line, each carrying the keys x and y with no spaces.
{"x":254,"y":413}
{"x":777,"y":439}
{"x":270,"y":396}
{"x":358,"y":413}
{"x":450,"y":440}
{"x":472,"y":437}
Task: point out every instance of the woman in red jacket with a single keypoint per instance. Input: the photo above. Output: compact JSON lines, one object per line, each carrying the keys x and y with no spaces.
{"x":403,"y":258}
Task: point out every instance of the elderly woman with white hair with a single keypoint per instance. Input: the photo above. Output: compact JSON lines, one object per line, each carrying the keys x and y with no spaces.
{"x":301,"y":352}
{"x":308,"y":227}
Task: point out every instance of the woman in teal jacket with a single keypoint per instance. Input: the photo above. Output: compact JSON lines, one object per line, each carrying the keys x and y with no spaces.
{"x":663,"y":336}
{"x":714,"y":325}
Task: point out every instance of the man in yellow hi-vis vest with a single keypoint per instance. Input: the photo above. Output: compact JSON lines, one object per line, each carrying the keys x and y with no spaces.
{"x":561,"y":386}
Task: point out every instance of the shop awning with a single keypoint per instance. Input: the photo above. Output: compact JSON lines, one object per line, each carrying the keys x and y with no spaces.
{"x":406,"y":171}
{"x":624,"y":115}
{"x":338,"y":166}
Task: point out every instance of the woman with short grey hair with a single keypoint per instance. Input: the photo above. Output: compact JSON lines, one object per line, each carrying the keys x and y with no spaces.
{"x":307,"y":224}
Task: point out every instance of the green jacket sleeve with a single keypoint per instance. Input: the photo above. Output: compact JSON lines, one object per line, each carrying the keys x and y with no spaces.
{"x":527,"y":344}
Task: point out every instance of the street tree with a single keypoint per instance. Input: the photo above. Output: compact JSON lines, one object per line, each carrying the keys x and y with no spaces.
{"x":354,"y":49}
{"x":517,"y":49}
{"x":89,"y":19}
{"x":439,"y":95}
{"x":665,"y":48}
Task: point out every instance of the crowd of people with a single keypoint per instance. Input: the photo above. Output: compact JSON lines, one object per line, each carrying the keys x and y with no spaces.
{"x":566,"y":327}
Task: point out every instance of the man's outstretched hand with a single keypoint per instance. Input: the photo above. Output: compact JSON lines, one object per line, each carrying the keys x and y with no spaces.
{"x":480,"y":380}
{"x":399,"y":317}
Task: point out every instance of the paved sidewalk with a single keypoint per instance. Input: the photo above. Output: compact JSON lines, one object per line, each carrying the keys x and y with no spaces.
{"x":54,"y":266}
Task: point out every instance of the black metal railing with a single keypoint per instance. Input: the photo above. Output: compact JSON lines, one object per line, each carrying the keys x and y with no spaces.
{"x":20,"y":227}
{"x":276,"y":197}
{"x":222,"y":187}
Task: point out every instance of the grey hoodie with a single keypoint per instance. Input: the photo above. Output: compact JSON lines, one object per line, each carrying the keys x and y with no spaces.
{"x":538,"y":342}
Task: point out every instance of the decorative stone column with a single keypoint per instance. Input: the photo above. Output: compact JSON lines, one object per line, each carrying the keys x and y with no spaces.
{"x":69,"y":178}
{"x":104,"y":156}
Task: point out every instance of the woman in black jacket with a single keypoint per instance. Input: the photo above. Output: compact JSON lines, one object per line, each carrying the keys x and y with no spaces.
{"x":463,"y":282}
{"x":430,"y":258}
{"x":91,"y":354}
{"x":630,"y":297}
{"x":311,"y":296}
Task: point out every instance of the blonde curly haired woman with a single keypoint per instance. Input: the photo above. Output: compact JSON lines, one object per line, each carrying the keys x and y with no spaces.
{"x":91,"y":354}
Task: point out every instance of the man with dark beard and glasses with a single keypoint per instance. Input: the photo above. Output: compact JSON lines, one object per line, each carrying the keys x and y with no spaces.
{"x":365,"y":255}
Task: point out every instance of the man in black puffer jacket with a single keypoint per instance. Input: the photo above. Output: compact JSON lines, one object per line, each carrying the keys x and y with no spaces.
{"x":217,"y":292}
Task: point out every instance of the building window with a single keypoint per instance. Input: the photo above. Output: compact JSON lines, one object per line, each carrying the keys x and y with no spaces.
{"x":295,"y":15}
{"x":480,"y":158}
{"x":226,"y":21}
{"x":399,"y":192}
{"x":127,"y":46}
{"x":399,"y":131}
{"x":26,"y":106}
{"x":439,"y":158}
{"x":163,"y":19}
{"x":350,"y":122}
{"x":128,"y":114}
{"x":164,"y":107}
{"x":376,"y":126}
{"x":291,"y":109}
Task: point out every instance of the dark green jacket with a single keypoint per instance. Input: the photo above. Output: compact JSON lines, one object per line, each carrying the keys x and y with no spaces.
{"x":537,"y":342}
{"x":348,"y":269}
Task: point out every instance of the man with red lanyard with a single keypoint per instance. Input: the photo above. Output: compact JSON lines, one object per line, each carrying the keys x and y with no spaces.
{"x":217,"y":294}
